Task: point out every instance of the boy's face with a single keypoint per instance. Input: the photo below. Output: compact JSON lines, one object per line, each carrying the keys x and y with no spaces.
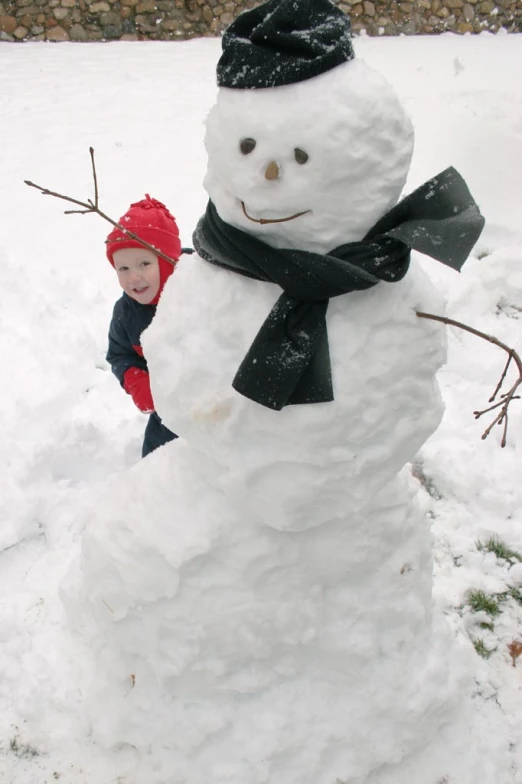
{"x":138,"y":273}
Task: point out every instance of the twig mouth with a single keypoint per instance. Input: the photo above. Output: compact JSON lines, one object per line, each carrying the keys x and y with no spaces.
{"x":273,"y":220}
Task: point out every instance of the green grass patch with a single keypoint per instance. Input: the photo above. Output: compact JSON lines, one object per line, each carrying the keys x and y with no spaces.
{"x":512,"y":593}
{"x":482,"y":649}
{"x":479,"y":601}
{"x":500,"y":549}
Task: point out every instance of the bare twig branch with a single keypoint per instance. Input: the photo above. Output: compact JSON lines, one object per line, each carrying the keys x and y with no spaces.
{"x":507,"y":397}
{"x":497,"y":404}
{"x":502,"y":379}
{"x":107,"y":605}
{"x":94,"y":177}
{"x":90,"y":206}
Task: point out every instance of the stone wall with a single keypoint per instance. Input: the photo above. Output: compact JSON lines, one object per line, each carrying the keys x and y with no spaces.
{"x":167,"y":20}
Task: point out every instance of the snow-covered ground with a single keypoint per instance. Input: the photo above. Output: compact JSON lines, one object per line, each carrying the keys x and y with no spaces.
{"x":66,"y":426}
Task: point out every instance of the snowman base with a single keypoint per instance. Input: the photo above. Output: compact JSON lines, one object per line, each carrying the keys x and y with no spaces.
{"x":228,"y":651}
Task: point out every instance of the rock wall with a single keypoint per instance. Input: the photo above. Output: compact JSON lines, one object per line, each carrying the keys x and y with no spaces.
{"x":167,"y":20}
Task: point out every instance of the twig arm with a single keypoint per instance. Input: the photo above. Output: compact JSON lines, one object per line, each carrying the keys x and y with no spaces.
{"x":502,"y":416}
{"x":94,"y":177}
{"x":90,"y":206}
{"x":47,"y":192}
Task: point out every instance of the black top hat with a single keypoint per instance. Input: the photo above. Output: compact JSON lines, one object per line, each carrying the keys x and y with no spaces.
{"x":283,"y":42}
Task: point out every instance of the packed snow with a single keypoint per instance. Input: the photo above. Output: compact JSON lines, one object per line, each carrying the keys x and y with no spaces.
{"x":71,"y":439}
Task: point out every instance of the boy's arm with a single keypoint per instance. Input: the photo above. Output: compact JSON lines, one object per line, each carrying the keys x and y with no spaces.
{"x":121,"y":354}
{"x":129,"y":367}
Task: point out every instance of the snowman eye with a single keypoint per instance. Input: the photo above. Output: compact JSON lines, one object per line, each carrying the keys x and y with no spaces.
{"x":247,"y":145}
{"x":300,"y":155}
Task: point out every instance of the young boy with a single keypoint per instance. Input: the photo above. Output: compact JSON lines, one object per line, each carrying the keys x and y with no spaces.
{"x":142,"y":275}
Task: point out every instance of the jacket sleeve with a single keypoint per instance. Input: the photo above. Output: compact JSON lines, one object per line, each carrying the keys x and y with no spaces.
{"x":121,"y":354}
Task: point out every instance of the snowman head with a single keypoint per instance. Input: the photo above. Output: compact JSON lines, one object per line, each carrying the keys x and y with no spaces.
{"x":307,"y":146}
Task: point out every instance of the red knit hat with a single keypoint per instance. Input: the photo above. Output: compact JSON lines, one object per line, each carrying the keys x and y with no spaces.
{"x":151,"y":221}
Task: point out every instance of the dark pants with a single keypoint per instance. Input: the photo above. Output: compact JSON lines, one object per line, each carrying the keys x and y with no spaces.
{"x":156,"y":434}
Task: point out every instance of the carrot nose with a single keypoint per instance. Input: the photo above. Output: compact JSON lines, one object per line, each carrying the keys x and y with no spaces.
{"x":272,"y":171}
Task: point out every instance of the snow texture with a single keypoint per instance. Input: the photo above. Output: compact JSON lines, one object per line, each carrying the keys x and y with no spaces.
{"x":182,"y":578}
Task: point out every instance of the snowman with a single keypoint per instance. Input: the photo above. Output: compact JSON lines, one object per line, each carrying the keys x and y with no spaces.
{"x":293,"y":356}
{"x":261,"y":610}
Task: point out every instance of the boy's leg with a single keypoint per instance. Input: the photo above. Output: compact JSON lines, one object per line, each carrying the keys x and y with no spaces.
{"x":156,"y":434}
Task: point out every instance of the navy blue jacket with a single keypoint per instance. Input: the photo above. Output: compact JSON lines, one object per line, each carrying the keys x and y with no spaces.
{"x":129,"y":319}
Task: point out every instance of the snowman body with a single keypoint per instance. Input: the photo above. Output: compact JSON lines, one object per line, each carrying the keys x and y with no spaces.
{"x":307,"y":464}
{"x":304,"y":465}
{"x":261,"y":609}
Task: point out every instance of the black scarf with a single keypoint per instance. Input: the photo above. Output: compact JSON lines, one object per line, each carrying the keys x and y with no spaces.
{"x":289,"y":360}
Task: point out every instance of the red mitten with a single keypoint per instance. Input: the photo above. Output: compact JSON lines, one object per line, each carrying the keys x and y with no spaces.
{"x":136,"y":383}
